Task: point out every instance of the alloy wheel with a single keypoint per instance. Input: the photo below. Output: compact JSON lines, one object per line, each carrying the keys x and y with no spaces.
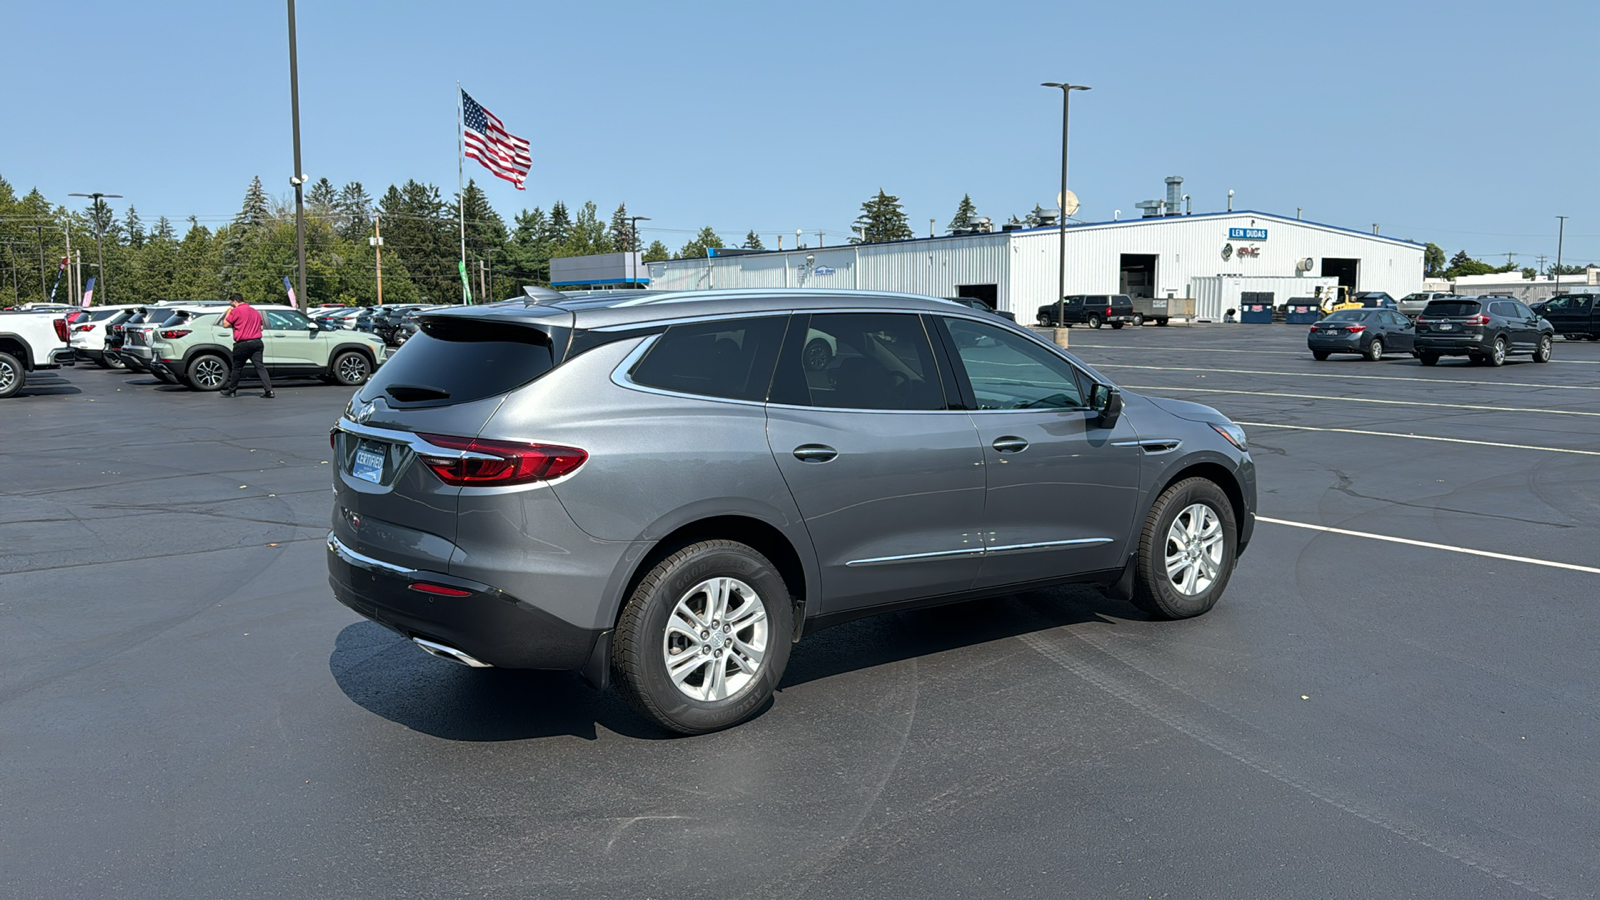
{"x":8,"y":376}
{"x":1194,"y":549}
{"x":716,"y":638}
{"x":210,"y":373}
{"x":353,"y":369}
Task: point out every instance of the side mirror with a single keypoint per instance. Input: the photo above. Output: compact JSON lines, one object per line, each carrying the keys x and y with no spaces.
{"x":1106,"y":400}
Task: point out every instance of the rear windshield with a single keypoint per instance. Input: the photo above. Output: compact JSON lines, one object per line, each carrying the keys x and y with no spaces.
{"x":1347,"y":315}
{"x":1451,"y":308}
{"x":461,"y":360}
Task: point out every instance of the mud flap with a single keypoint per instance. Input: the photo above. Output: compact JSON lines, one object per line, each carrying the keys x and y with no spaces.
{"x":1122,"y":588}
{"x":597,"y":671}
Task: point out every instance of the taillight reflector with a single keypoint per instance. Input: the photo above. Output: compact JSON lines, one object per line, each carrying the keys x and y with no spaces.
{"x":1479,"y":319}
{"x":438,"y":590}
{"x":491,"y":463}
{"x":61,"y":329}
{"x":1357,"y":329}
{"x":173,"y":334}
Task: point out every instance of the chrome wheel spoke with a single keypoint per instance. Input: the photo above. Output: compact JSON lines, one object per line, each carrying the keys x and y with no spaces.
{"x":715,"y":639}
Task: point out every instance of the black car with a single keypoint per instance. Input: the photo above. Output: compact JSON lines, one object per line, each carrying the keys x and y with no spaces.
{"x":983,"y":306}
{"x":1092,"y":310}
{"x":1375,"y":300}
{"x":1573,"y":316}
{"x":1367,"y":332}
{"x":1484,"y":329}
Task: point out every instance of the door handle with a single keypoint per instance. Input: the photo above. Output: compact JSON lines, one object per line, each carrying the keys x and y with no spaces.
{"x":814,"y":453}
{"x":1010,"y":444}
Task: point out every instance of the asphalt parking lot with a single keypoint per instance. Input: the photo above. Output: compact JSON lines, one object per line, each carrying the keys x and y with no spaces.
{"x":1377,"y":711}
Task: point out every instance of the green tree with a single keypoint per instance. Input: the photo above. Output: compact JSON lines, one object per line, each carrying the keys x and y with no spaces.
{"x":965,"y":213}
{"x":1462,"y":264}
{"x":621,"y":230}
{"x":752,"y":241}
{"x":133,"y":227}
{"x":355,"y":211}
{"x":196,"y":270}
{"x":486,"y":234}
{"x":882,"y":219}
{"x":256,"y":211}
{"x":323,"y":200}
{"x":1433,"y":261}
{"x":656,"y":252}
{"x":419,"y":233}
{"x":527,"y":253}
{"x":587,"y":235}
{"x":1565,"y":269}
{"x":702,"y":243}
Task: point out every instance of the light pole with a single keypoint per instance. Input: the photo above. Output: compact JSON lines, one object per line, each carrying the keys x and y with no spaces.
{"x":1061,"y":211}
{"x":299,"y":178}
{"x":638,"y":254}
{"x":1560,"y":238}
{"x":99,"y":249}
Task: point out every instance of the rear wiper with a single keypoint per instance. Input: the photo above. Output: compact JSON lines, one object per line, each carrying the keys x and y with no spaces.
{"x":407,"y":393}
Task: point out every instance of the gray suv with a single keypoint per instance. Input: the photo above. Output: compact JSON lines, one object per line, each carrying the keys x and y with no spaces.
{"x":671,"y":489}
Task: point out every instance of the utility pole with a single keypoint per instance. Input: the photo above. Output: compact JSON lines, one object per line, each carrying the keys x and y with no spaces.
{"x":1542,"y":258}
{"x":72,"y":293}
{"x":1511,"y":259}
{"x":1561,"y":236}
{"x":819,"y":237}
{"x":99,"y":248}
{"x":377,"y":247}
{"x":299,"y":179}
{"x":1061,"y":211}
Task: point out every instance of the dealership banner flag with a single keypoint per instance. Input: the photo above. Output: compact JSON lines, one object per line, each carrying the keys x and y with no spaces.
{"x":290,"y":288}
{"x":466,"y":284}
{"x":89,"y":291}
{"x":57,"y":283}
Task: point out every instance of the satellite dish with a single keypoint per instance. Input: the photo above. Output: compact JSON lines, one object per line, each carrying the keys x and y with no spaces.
{"x":1068,"y":203}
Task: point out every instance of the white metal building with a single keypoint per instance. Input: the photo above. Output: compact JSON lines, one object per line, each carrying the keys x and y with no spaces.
{"x":1017,"y":270}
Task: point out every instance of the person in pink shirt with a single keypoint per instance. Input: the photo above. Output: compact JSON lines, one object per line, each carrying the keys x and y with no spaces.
{"x":247,"y":324}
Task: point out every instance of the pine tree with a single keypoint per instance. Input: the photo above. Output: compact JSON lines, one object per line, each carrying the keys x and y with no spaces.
{"x":621,"y":231}
{"x":163,"y":230}
{"x":965,"y":213}
{"x":656,"y":252}
{"x":560,"y":225}
{"x":752,"y":241}
{"x":882,"y":219}
{"x":323,"y":199}
{"x":134,"y":228}
{"x":355,"y":211}
{"x":587,"y":236}
{"x":256,"y":211}
{"x":527,"y":254}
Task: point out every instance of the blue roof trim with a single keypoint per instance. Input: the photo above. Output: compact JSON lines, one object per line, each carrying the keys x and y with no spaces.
{"x":1217,"y":215}
{"x":601,"y":281}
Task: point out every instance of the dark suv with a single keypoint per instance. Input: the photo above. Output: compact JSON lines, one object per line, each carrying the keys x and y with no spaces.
{"x":1484,"y":329}
{"x":668,"y":490}
{"x":1092,"y":310}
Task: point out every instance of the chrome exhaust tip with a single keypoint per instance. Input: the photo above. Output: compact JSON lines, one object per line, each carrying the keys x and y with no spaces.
{"x":450,"y":653}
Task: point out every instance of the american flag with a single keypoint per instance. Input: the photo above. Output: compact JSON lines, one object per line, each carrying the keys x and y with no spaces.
{"x":488,"y":142}
{"x":293,"y":303}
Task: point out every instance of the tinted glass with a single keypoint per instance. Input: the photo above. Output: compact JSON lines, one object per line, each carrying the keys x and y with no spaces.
{"x":281,"y":320}
{"x":858,"y":361}
{"x":461,"y":360}
{"x":1451,"y":308}
{"x":1523,"y":312}
{"x":731,"y":359}
{"x":1008,"y":371}
{"x":1501,"y":308}
{"x":1347,"y":315}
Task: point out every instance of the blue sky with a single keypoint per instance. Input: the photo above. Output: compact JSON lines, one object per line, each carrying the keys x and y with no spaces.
{"x":1468,"y":124}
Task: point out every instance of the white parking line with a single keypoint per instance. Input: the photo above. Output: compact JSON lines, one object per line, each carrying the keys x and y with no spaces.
{"x":1421,"y":437}
{"x":1302,"y":354}
{"x":1432,"y":546}
{"x":1413,"y":380}
{"x":1513,"y":409}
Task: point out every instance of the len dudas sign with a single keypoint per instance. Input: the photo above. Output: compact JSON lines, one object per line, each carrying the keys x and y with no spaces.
{"x":1247,"y":234}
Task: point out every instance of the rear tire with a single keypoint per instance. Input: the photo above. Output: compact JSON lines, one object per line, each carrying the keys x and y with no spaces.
{"x":114,"y":360}
{"x":1319,"y":355}
{"x":1375,"y":349}
{"x":1044,"y":321}
{"x":1094,"y":321}
{"x":672,"y":663}
{"x":208,"y":372}
{"x":1542,"y":353}
{"x":1428,"y":359}
{"x":1186,"y":551}
{"x":12,"y":375}
{"x":1161,"y":322}
{"x":1497,"y":354}
{"x":1138,"y":320}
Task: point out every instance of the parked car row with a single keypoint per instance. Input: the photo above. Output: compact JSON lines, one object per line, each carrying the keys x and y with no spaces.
{"x":1486,"y":330}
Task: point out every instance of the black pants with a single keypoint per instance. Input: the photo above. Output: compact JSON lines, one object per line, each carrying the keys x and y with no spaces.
{"x":242,"y":352}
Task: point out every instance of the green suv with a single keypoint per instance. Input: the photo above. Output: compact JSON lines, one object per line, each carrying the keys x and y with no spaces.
{"x":197,"y":350}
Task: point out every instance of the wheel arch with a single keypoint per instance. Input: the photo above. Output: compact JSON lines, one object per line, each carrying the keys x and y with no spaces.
{"x":18,"y":347}
{"x":363,"y":349}
{"x":1218,"y":474}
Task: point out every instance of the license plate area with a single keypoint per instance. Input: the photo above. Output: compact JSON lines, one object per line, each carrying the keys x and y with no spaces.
{"x":369,"y":461}
{"x":1446,"y":326}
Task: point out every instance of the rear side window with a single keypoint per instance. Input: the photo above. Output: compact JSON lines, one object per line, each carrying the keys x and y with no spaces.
{"x":859,"y":361}
{"x":461,"y":360}
{"x":1452,"y":308}
{"x":731,"y":359}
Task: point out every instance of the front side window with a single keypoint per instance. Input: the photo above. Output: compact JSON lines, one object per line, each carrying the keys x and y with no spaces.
{"x":858,"y":361}
{"x":1523,"y":312}
{"x":1008,"y":371}
{"x":731,"y":359}
{"x":282,"y":320}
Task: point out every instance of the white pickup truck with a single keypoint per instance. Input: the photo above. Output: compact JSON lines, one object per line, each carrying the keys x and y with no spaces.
{"x":30,"y":341}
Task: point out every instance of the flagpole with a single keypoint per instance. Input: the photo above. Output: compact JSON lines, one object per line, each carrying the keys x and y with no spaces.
{"x":461,"y":190}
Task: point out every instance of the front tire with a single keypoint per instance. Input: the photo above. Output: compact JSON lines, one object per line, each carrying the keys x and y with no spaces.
{"x":1375,"y":349}
{"x":1542,"y":354}
{"x":1186,"y":551}
{"x":704,"y":639}
{"x":11,"y":375}
{"x":351,"y":368}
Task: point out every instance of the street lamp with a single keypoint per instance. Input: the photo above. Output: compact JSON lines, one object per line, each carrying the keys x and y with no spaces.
{"x":99,"y":250}
{"x":299,"y":177}
{"x":1561,"y":238}
{"x":633,"y":224}
{"x":1061,"y":211}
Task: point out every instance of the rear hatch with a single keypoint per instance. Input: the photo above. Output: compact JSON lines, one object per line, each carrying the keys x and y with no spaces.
{"x":1452,"y":319}
{"x":403,"y":448}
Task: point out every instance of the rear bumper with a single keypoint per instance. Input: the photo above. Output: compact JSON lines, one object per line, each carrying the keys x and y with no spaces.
{"x":1346,"y":344}
{"x":487,"y":624}
{"x":1450,"y":346}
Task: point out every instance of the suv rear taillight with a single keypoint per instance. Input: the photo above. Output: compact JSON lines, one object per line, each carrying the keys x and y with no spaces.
{"x":173,"y":334}
{"x":61,"y":329}
{"x":82,"y":328}
{"x":1479,"y":319}
{"x":497,"y":463}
